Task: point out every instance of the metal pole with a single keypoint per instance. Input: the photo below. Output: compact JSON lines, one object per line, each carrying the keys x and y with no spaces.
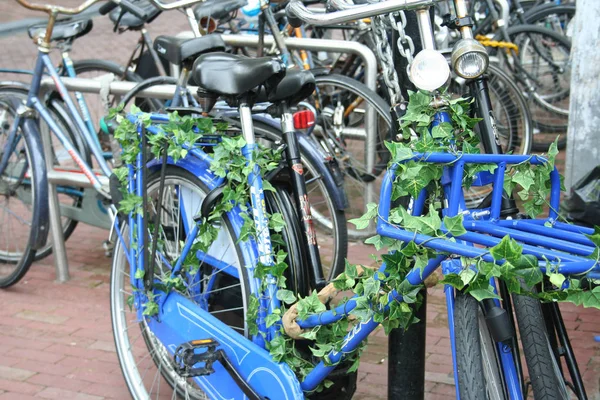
{"x":406,"y":349}
{"x":406,"y":352}
{"x":60,"y":254}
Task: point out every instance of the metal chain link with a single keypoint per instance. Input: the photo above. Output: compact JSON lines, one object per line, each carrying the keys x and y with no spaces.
{"x":405,"y":44}
{"x":385,"y":57}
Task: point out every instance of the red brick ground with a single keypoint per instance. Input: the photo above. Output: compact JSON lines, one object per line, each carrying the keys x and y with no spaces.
{"x":56,"y":341}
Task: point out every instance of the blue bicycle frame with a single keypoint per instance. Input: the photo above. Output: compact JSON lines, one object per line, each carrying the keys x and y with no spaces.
{"x":178,"y":314}
{"x":44,"y":65}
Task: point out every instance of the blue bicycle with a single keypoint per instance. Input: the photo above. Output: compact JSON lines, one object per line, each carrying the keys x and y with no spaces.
{"x":200,"y":337}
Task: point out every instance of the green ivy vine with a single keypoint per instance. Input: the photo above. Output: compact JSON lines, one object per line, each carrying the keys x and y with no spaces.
{"x":371,"y":288}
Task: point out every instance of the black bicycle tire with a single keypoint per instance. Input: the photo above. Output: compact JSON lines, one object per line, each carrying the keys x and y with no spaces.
{"x":469,"y":359}
{"x":56,"y":109}
{"x":538,"y":30}
{"x":296,"y":275}
{"x":145,"y":84}
{"x":537,"y":349}
{"x":533,"y":15}
{"x":382,"y":109}
{"x":108,"y":66}
{"x":521,"y":103}
{"x":68,"y":229}
{"x":39,"y":217}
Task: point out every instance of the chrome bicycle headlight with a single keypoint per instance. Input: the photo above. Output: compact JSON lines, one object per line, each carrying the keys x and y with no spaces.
{"x":469,"y":59}
{"x":429,"y":70}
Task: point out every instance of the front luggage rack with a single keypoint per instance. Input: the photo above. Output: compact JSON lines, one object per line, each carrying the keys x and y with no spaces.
{"x":565,"y":248}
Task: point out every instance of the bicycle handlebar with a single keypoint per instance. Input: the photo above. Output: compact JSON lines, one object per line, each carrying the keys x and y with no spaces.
{"x":49,"y":8}
{"x":298,"y":11}
{"x":125,"y":5}
{"x":108,"y":7}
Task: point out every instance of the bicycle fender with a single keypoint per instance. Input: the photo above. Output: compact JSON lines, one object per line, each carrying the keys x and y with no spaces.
{"x":40,"y":184}
{"x":182,"y":320}
{"x":336,"y":185}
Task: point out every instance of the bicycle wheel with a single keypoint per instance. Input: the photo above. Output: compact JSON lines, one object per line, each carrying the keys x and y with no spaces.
{"x":544,"y":71}
{"x":477,"y":362}
{"x":556,"y":17}
{"x":147,"y":104}
{"x":331,"y":227}
{"x":154,"y":376}
{"x":24,"y":220}
{"x":332,"y":232}
{"x":348,"y":114}
{"x":546,"y":378}
{"x":67,"y":196}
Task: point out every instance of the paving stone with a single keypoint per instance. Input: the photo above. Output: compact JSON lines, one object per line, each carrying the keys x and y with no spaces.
{"x":14,"y":374}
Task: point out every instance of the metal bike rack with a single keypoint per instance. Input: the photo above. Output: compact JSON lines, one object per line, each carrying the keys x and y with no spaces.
{"x":62,"y":177}
{"x":56,"y":178}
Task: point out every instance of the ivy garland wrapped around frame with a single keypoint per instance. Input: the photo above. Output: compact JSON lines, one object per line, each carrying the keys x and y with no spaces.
{"x":370,"y":286}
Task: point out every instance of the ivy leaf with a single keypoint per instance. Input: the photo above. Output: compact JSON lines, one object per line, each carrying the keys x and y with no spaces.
{"x":310,"y":335}
{"x":390,"y":324}
{"x":410,"y":249}
{"x":371,"y":287}
{"x":276,"y":222}
{"x":595,"y":237}
{"x":532,"y":209}
{"x":139,"y":273}
{"x":481,"y":294}
{"x":287,"y":296}
{"x":272,"y":319}
{"x":363,"y":222}
{"x":557,"y":279}
{"x":527,"y":267}
{"x":351,"y":271}
{"x":130,"y":302}
{"x":553,"y":152}
{"x":454,"y":225}
{"x":467,"y":275}
{"x":508,"y":249}
{"x":377,"y":241}
{"x":443,"y":130}
{"x":399,"y":151}
{"x":525,"y":178}
{"x":453,"y":280}
{"x":587,"y":298}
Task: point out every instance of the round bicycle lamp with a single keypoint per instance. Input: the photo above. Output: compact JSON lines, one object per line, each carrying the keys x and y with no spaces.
{"x":429,"y":70}
{"x":469,"y":59}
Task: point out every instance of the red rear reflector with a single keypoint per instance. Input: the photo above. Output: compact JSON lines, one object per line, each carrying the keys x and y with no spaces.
{"x":304,"y":119}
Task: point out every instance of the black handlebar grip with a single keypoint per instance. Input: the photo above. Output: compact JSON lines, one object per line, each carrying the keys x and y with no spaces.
{"x":135,"y":10}
{"x":294,"y":21}
{"x":107,"y":7}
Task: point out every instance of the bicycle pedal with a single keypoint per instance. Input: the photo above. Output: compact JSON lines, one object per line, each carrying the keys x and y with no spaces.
{"x":189,"y":355}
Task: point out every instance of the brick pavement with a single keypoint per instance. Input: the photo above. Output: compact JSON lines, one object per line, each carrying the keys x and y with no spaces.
{"x":56,"y":341}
